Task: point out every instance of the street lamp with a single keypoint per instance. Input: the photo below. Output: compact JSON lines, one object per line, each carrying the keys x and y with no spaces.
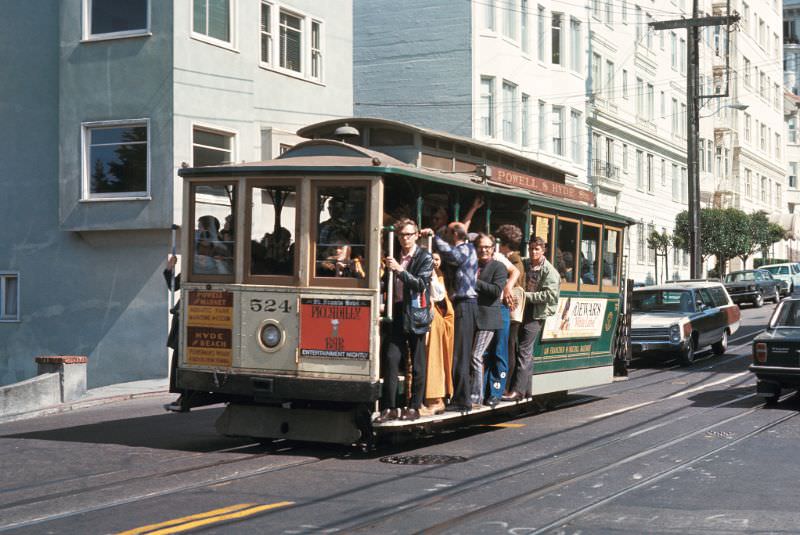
{"x":733,"y":105}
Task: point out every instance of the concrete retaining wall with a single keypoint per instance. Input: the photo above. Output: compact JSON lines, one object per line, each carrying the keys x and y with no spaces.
{"x":30,"y":395}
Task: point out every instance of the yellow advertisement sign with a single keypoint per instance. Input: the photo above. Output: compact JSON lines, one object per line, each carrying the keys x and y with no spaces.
{"x":209,"y":328}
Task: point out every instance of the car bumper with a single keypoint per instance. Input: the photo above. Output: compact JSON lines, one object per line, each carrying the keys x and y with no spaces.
{"x":744,"y":297}
{"x":656,"y":346}
{"x":778,"y":374}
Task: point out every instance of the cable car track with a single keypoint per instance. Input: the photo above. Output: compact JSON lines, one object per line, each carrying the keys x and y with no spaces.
{"x":531,"y":494}
{"x":148,"y":494}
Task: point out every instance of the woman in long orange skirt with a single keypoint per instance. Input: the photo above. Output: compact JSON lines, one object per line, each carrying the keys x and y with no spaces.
{"x":439,"y":383}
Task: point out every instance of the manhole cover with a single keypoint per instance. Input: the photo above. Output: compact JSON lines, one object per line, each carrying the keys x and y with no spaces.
{"x":423,"y":459}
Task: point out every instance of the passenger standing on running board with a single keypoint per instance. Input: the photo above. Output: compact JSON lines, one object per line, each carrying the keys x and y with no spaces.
{"x":459,"y":252}
{"x":542,"y":286}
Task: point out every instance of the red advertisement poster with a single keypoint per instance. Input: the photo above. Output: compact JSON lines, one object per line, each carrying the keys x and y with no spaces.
{"x":334,"y":328}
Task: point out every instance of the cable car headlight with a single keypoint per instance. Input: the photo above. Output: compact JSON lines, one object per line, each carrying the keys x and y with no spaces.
{"x":271,"y":335}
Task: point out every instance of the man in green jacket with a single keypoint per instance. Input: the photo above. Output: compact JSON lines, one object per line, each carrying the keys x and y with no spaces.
{"x":542,"y":287}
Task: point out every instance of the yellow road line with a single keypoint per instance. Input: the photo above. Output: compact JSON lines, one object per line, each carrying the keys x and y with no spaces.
{"x":185,"y":523}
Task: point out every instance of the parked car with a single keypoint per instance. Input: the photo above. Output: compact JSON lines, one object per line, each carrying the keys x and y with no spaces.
{"x":752,"y":286}
{"x":680,"y":318}
{"x":789,"y":271}
{"x":776,"y":352}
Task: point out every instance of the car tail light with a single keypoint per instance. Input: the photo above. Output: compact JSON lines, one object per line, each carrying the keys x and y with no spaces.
{"x":760,"y":352}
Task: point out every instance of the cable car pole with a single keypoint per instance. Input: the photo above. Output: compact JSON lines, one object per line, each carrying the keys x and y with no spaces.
{"x":692,"y":27}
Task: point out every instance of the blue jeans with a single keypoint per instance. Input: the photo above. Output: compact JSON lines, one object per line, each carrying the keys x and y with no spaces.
{"x":497,"y":358}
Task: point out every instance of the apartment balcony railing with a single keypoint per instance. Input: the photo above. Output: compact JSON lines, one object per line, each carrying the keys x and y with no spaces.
{"x":606,"y":174}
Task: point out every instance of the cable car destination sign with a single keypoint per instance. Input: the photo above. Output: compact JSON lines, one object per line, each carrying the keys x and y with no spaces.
{"x":541,"y":185}
{"x":209,"y":328}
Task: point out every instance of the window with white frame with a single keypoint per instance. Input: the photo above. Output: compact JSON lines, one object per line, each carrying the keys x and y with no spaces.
{"x":640,"y":170}
{"x":675,"y":117}
{"x":684,"y":187}
{"x":651,"y":253}
{"x":641,"y":243}
{"x":555,"y":41}
{"x":597,"y":79}
{"x":266,"y":32}
{"x":540,"y":25}
{"x":625,"y":157}
{"x":510,"y":19}
{"x":624,"y":83}
{"x":778,"y":195}
{"x":576,"y":133}
{"x":211,"y":147}
{"x":116,"y":159}
{"x":526,"y":118}
{"x":9,"y":296}
{"x":793,"y":175}
{"x":682,"y":55}
{"x":542,"y":125}
{"x":525,"y":38}
{"x":747,"y":67}
{"x":558,"y":130}
{"x":778,"y":146}
{"x":673,"y":49}
{"x":651,"y":182}
{"x":747,"y":125}
{"x":487,"y":106}
{"x":509,"y":112}
{"x":300,"y":42}
{"x":111,"y":18}
{"x":576,"y":48}
{"x":213,"y":19}
{"x":625,"y":11}
{"x":676,"y":183}
{"x":792,"y":126}
{"x":748,"y":183}
{"x":639,"y":23}
{"x":488,"y":14}
{"x":663,"y":172}
{"x":764,"y":189}
{"x":609,"y":87}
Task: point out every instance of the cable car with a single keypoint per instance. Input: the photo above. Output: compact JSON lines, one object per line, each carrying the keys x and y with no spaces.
{"x":282,"y":311}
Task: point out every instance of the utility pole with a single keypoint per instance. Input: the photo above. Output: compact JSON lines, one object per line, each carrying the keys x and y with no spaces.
{"x":692,"y":27}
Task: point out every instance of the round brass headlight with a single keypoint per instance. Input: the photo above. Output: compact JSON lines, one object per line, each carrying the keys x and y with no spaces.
{"x":271,"y":335}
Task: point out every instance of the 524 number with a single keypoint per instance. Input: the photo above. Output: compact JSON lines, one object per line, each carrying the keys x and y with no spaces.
{"x":270,"y":305}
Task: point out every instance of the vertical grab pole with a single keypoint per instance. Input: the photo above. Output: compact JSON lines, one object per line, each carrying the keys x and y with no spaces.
{"x":172,"y":279}
{"x":389,"y":277}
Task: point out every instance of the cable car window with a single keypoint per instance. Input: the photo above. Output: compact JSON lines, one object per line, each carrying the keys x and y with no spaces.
{"x":611,"y":257}
{"x":341,"y":240}
{"x":590,"y":251}
{"x":566,"y":249}
{"x":543,"y":228}
{"x":273,"y":220}
{"x":214,"y":244}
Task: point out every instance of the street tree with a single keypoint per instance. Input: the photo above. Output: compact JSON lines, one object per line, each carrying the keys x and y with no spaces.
{"x":660,"y":242}
{"x":758,"y":230}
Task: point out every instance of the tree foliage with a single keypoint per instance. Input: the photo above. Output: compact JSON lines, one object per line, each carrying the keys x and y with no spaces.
{"x":728,"y":233}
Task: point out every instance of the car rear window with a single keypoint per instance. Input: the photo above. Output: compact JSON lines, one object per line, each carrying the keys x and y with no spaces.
{"x":739,"y":276}
{"x":662,"y":301}
{"x":788,"y":315}
{"x":719,"y":295}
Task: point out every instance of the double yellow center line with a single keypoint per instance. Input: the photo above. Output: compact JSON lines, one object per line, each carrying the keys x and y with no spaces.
{"x":178,"y":525}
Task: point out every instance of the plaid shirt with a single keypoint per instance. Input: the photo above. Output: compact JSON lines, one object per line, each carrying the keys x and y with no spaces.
{"x":464,"y":258}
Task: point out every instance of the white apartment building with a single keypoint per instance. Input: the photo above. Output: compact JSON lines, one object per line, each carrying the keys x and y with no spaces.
{"x":508,"y":72}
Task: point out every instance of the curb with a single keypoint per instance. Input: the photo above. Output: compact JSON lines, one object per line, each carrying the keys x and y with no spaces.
{"x":80,"y":404}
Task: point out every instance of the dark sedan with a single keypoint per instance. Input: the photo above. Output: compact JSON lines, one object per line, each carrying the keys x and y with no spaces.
{"x":752,"y":286}
{"x":776,"y":352}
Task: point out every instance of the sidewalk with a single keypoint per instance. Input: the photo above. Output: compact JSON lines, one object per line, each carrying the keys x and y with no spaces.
{"x":99,"y":396}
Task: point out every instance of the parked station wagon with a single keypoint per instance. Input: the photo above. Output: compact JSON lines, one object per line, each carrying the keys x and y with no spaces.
{"x":752,"y":286}
{"x":680,"y":318}
{"x":776,"y":352}
{"x":788,"y":271}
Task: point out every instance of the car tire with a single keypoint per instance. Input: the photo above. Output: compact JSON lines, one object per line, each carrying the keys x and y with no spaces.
{"x":758,"y":302}
{"x":686,"y":357}
{"x":777,"y":297}
{"x":720,"y":347}
{"x":772,"y":400}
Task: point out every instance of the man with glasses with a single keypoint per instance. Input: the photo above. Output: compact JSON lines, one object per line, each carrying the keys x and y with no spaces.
{"x":411,"y":320}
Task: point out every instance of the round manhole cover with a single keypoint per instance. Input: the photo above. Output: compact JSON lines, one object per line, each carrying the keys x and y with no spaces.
{"x":423,"y":459}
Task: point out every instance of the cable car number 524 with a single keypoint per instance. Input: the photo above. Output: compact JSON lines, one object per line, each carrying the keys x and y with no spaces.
{"x":270,"y":305}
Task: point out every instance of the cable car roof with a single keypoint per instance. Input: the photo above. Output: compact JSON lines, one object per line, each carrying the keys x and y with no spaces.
{"x":327,"y":156}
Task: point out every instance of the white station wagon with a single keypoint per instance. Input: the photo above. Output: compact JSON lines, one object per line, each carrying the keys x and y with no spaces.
{"x":788,"y":272}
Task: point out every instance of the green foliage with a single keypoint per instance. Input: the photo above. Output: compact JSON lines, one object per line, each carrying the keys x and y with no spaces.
{"x":660,"y":241}
{"x":728,"y":233}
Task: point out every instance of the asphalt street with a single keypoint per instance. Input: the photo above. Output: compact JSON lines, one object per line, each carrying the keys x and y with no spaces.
{"x":671,"y":450}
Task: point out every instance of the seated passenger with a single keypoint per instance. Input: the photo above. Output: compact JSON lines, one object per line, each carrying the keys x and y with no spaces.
{"x":338,"y":262}
{"x":211,"y":256}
